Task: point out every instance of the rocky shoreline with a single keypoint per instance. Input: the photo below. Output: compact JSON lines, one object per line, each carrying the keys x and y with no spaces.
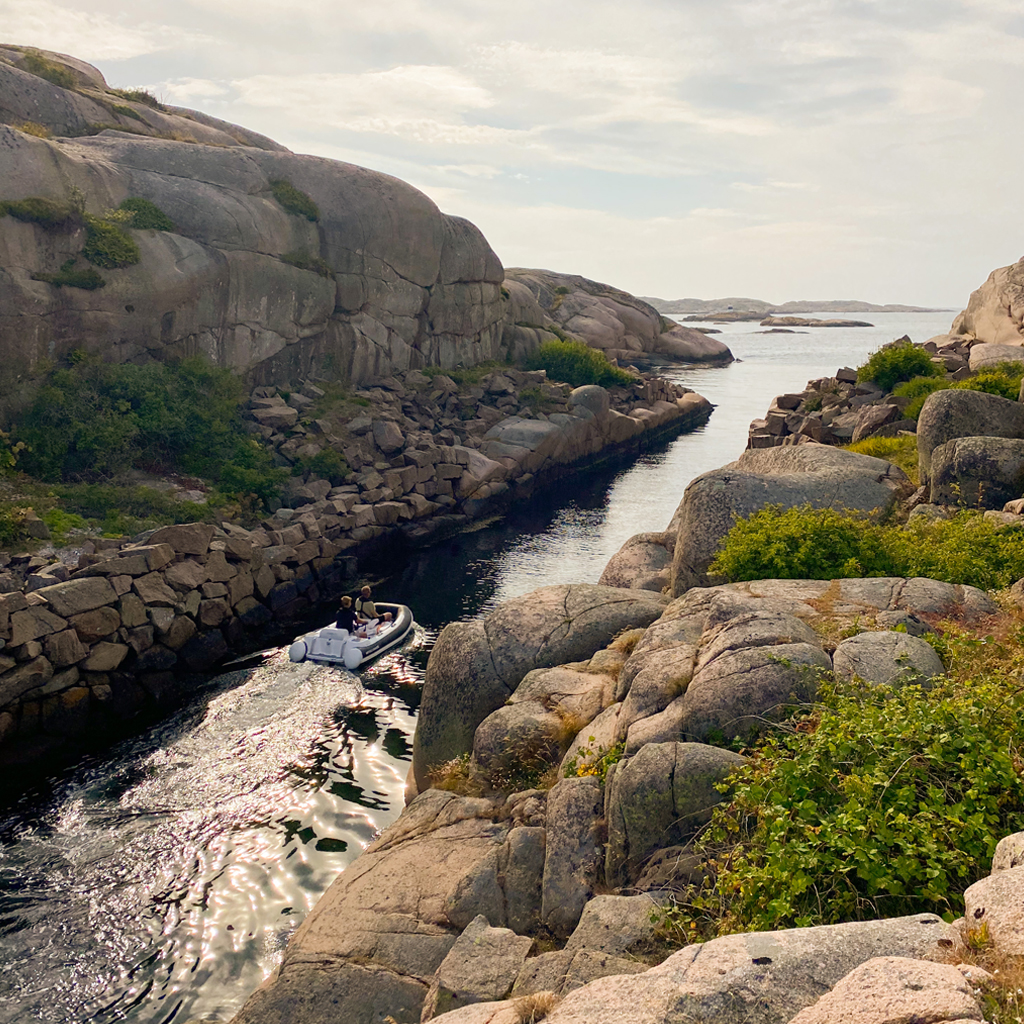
{"x":567,"y":755}
{"x":125,"y":628}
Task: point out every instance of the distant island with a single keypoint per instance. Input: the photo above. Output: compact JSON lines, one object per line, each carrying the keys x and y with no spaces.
{"x":760,"y":307}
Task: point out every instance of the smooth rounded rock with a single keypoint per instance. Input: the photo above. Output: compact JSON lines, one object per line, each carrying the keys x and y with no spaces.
{"x":887,"y":658}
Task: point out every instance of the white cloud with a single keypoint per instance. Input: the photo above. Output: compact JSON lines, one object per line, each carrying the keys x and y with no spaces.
{"x":731,"y":146}
{"x":189,"y":91}
{"x":86,"y":34}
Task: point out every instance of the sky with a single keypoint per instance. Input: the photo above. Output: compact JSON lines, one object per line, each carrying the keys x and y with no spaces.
{"x":776,"y":149}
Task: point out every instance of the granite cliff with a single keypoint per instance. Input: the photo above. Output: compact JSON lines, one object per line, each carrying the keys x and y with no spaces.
{"x":275,"y":264}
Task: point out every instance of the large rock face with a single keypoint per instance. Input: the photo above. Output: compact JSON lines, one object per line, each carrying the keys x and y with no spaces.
{"x":995,"y":312}
{"x":475,"y":666}
{"x":380,"y":281}
{"x":405,"y":285}
{"x":812,"y":474}
{"x":621,"y":325}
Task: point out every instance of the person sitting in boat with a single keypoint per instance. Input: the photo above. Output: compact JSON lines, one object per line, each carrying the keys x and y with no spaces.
{"x":347,"y":618}
{"x":366,"y":611}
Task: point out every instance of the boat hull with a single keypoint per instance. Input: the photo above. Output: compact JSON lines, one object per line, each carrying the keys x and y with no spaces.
{"x":331,"y":646}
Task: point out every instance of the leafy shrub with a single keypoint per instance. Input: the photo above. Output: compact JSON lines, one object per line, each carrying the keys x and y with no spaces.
{"x":108,"y":246}
{"x":897,"y":362}
{"x":1002,"y":379}
{"x":47,"y":213}
{"x":810,"y":543}
{"x":117,"y":510}
{"x":900,"y":451}
{"x":329,"y":464}
{"x":94,"y":421}
{"x":917,"y":389}
{"x":68,"y":277}
{"x":139,"y":96}
{"x":888,"y":802}
{"x":306,"y":261}
{"x":799,"y":543}
{"x":588,"y":761}
{"x":61,"y":522}
{"x":293,"y":200}
{"x":146,"y":215}
{"x":577,"y":364}
{"x":56,"y":74}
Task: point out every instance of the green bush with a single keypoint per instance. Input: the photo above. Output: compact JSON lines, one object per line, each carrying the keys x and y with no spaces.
{"x":56,"y":74}
{"x":810,"y":543}
{"x":329,"y":464}
{"x":108,"y":246}
{"x":47,"y":213}
{"x":917,"y":389}
{"x":68,"y":277}
{"x":888,"y":802}
{"x":900,"y":451}
{"x":146,"y":215}
{"x":94,"y":421}
{"x":897,"y":362}
{"x":293,"y":200}
{"x":577,"y":364}
{"x":1002,"y":379}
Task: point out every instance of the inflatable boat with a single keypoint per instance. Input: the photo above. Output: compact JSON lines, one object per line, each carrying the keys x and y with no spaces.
{"x":332,"y":646}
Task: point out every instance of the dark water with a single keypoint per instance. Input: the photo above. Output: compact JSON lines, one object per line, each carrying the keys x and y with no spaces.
{"x":161,"y":882}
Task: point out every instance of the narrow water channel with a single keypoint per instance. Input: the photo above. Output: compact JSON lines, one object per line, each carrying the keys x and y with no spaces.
{"x":161,"y":881}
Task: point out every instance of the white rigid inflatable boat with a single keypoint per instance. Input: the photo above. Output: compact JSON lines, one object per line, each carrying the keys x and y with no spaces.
{"x":332,"y":646}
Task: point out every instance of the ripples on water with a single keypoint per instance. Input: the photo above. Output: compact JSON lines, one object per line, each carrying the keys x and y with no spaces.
{"x":161,"y":881}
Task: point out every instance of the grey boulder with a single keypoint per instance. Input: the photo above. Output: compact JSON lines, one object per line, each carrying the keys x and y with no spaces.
{"x":887,"y":658}
{"x":476,"y":666}
{"x":977,"y":472}
{"x":812,"y":474}
{"x":660,"y":797}
{"x":481,"y":967}
{"x":949,"y":414}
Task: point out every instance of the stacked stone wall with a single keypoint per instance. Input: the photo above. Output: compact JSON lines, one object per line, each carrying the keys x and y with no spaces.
{"x":132,"y":624}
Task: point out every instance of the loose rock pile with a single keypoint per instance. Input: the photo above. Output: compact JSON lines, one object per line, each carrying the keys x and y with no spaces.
{"x":837,"y":410}
{"x":420,"y":446}
{"x":84,"y":646}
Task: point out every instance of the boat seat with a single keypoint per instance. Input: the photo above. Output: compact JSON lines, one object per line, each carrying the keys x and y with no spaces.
{"x":333,"y":633}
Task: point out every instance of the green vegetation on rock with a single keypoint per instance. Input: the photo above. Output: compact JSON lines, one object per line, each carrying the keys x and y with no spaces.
{"x":880,"y":802}
{"x":328,"y":464}
{"x":47,"y":213}
{"x":900,"y":451}
{"x":146,"y":215}
{"x":577,"y":364}
{"x":109,"y":246}
{"x":307,"y":261}
{"x":897,"y":362}
{"x":825,"y":544}
{"x":56,"y":74}
{"x":125,"y":111}
{"x":293,"y":200}
{"x":139,"y":96}
{"x":1003,"y":379}
{"x":69,"y":277}
{"x":93,"y":422}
